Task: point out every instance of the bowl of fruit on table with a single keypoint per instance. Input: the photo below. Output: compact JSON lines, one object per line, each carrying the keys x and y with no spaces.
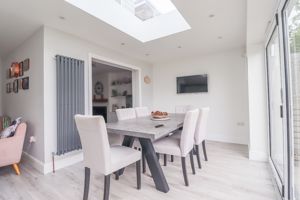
{"x":158,"y":115}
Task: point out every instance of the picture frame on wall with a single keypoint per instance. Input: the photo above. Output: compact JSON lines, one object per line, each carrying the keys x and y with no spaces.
{"x":8,"y":88}
{"x":20,"y":84}
{"x":21,"y":68}
{"x":26,"y":64}
{"x":15,"y":86}
{"x":9,"y":73}
{"x":25,"y":83}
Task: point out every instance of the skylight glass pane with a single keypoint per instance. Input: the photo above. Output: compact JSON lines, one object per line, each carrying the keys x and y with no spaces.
{"x":144,"y":20}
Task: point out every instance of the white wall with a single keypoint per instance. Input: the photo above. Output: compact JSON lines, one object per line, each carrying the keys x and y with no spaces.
{"x":2,"y":87}
{"x":258,"y":118}
{"x":227,"y":95}
{"x":57,"y":42}
{"x":28,"y":104}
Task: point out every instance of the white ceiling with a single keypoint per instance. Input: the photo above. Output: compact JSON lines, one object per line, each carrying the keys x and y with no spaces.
{"x":20,"y":19}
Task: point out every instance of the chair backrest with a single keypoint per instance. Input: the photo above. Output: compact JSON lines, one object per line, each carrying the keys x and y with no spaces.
{"x":142,"y":111}
{"x":183,"y":109}
{"x":188,"y":131}
{"x":200,"y":133}
{"x":125,"y":113}
{"x":94,"y":140}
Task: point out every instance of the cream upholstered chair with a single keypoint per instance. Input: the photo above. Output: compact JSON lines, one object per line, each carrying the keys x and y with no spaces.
{"x":200,"y":133}
{"x":182,"y":109}
{"x":125,"y":113}
{"x":99,"y":157}
{"x":11,"y":148}
{"x":142,"y":112}
{"x":183,"y":146}
{"x":122,"y":114}
{"x":130,"y":113}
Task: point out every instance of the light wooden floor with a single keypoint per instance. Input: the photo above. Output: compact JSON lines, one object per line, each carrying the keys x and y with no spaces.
{"x":228,"y":175}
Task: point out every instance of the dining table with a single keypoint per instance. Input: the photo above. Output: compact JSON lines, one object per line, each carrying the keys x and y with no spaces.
{"x":147,"y":130}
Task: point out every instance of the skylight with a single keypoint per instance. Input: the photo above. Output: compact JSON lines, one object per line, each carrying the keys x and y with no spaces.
{"x":144,"y":20}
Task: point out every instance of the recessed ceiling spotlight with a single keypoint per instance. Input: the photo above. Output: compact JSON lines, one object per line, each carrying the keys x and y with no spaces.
{"x":179,"y":47}
{"x":211,"y":16}
{"x":220,"y":37}
{"x":62,"y":17}
{"x":122,"y":43}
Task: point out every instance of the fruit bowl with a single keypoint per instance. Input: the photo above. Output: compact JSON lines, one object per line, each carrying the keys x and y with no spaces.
{"x":159,"y":115}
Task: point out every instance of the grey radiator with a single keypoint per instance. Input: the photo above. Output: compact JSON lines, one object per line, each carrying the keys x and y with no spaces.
{"x":70,"y":101}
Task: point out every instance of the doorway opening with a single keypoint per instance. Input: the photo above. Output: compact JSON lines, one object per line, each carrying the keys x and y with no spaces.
{"x":112,"y":86}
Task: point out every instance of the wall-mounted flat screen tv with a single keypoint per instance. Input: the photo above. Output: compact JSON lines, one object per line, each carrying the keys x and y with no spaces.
{"x":192,"y":84}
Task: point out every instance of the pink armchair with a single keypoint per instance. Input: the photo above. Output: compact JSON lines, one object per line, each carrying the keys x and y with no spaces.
{"x":11,"y":148}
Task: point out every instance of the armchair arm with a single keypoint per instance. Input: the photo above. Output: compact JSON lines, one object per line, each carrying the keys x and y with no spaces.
{"x":11,"y":148}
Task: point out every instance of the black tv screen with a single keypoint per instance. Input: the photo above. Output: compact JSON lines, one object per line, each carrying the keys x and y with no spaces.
{"x":192,"y":84}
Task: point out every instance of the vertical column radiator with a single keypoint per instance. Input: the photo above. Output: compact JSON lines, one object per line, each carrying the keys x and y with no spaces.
{"x":70,"y":101}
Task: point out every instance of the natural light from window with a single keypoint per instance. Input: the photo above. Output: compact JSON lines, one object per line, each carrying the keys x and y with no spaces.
{"x":144,"y":20}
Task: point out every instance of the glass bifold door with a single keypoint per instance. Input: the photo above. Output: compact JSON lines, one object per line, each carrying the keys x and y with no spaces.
{"x":283,"y":75}
{"x":275,"y":107}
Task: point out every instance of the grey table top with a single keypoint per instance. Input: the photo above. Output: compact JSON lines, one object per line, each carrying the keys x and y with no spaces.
{"x":144,"y":127}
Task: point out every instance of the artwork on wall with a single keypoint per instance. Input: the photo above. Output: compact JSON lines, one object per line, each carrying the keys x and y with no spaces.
{"x":25,"y":83}
{"x":20,"y":84}
{"x":16,"y":70}
{"x":15,"y":86}
{"x":21,"y":73}
{"x":8,"y":88}
{"x":26,"y":64}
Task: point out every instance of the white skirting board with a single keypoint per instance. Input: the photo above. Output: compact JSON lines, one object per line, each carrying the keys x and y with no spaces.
{"x":60,"y":161}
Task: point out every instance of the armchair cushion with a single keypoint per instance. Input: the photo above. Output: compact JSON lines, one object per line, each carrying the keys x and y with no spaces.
{"x":10,"y":131}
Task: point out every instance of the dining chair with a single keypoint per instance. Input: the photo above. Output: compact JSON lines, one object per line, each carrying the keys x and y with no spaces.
{"x":125,"y":113}
{"x":99,"y":156}
{"x":181,"y":146}
{"x":122,"y":114}
{"x":182,"y":109}
{"x":130,"y":113}
{"x":200,"y":134}
{"x":142,"y":112}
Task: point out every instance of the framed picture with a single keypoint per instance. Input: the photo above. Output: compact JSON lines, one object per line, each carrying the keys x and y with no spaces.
{"x":8,"y":88}
{"x":9,"y":73}
{"x":25,"y":83}
{"x":21,"y":68}
{"x":26,"y":64}
{"x":20,"y":84}
{"x":15,"y":86}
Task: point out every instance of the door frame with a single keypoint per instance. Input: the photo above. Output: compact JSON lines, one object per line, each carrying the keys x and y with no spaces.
{"x":136,"y":79}
{"x":290,"y":130}
{"x":275,"y":25}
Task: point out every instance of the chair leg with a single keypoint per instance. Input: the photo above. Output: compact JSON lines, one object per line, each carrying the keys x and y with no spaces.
{"x":172,"y":158}
{"x":117,"y":175}
{"x":143,"y":162}
{"x":16,"y":168}
{"x":192,"y":161}
{"x":198,"y":156}
{"x":138,"y":174}
{"x":186,"y":181}
{"x":165,"y":159}
{"x":204,"y":150}
{"x":106,"y":187}
{"x":87,"y":174}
